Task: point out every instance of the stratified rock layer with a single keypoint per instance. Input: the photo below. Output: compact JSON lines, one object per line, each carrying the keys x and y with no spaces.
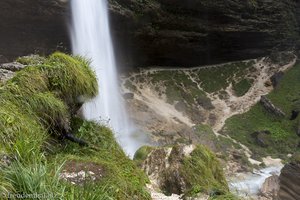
{"x":289,"y":182}
{"x":29,"y":26}
{"x":158,"y":32}
{"x":194,"y":32}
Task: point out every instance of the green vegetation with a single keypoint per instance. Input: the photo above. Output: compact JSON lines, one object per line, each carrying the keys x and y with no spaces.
{"x":222,"y":75}
{"x":36,"y":177}
{"x":242,"y":86}
{"x":222,"y":145}
{"x":120,"y":178}
{"x":282,"y":138}
{"x":37,"y":105}
{"x":203,"y":173}
{"x":141,"y":154}
{"x":178,"y":85}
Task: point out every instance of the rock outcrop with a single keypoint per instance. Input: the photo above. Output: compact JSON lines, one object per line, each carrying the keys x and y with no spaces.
{"x":183,"y":170}
{"x":158,"y":32}
{"x":289,"y":182}
{"x":270,"y":107}
{"x":195,"y":32}
{"x":29,"y":26}
{"x":7,"y":70}
{"x":270,"y":188}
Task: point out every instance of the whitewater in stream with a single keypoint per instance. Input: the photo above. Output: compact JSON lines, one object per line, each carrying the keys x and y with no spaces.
{"x":91,"y":38}
{"x":251,"y":183}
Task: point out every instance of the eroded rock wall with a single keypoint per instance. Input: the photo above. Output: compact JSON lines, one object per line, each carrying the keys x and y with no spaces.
{"x":195,"y":32}
{"x":158,"y":32}
{"x":32,"y":26}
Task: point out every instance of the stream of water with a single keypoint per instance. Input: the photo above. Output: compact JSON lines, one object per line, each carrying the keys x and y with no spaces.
{"x":91,"y":38}
{"x":249,"y":184}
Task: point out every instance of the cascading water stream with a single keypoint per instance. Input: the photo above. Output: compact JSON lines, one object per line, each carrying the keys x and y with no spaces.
{"x":91,"y":38}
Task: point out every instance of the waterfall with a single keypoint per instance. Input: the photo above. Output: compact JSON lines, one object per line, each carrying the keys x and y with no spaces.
{"x":91,"y":38}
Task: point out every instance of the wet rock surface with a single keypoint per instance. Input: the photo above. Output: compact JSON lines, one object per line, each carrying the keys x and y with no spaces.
{"x":270,"y":188}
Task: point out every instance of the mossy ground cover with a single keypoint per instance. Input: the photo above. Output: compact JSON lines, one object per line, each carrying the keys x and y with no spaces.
{"x":37,"y":105}
{"x":282,"y":138}
{"x":242,"y":87}
{"x":214,"y":79}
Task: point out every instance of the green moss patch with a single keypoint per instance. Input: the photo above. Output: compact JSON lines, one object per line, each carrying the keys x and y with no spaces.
{"x":242,"y":86}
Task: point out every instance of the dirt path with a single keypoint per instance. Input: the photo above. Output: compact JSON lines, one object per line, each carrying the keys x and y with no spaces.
{"x":238,"y":105}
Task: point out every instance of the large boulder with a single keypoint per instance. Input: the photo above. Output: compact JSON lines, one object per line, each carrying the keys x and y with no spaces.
{"x":270,"y":187}
{"x":289,"y":180}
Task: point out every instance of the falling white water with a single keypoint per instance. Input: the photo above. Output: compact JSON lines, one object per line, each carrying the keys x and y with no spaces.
{"x":91,"y":38}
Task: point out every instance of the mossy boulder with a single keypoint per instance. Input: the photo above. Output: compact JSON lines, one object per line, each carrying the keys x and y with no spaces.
{"x":185,"y":170}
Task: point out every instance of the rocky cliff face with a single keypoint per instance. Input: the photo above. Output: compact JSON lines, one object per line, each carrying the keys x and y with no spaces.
{"x":194,"y":32}
{"x":158,"y":32}
{"x":32,"y":26}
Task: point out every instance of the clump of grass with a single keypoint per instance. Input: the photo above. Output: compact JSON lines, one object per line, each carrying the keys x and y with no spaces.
{"x":5,"y":186}
{"x":71,"y":78}
{"x":203,"y":172}
{"x":34,"y":178}
{"x":90,"y":192}
{"x":141,"y":154}
{"x":20,"y":133}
